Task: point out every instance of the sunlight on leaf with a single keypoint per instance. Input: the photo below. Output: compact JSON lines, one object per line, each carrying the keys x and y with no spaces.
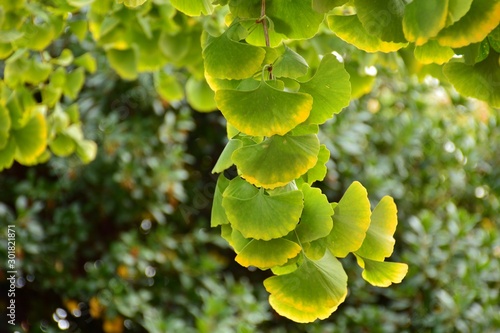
{"x":277,"y":160}
{"x":433,"y":52}
{"x":350,"y":221}
{"x":266,"y":254}
{"x":423,"y":19}
{"x":381,"y":273}
{"x":382,"y":18}
{"x":193,"y":7}
{"x":313,"y":291}
{"x":31,"y":140}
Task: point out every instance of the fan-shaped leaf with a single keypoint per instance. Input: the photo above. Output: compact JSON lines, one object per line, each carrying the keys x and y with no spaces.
{"x":318,"y":172}
{"x":361,"y":84}
{"x":225,"y":161}
{"x":457,"y":9}
{"x":258,"y":215}
{"x":330,"y":89}
{"x":381,"y":273}
{"x":7,"y":154}
{"x":349,"y":29}
{"x":266,"y":254}
{"x":480,"y":20}
{"x":423,"y":19}
{"x":86,"y":150}
{"x":218,"y":215}
{"x":379,"y":243}
{"x":382,"y":18}
{"x":264,"y":111}
{"x":168,"y":87}
{"x":481,"y":81}
{"x":316,"y":219}
{"x":124,"y":62}
{"x":312,"y":291}
{"x":277,"y":160}
{"x":290,"y":64}
{"x":31,"y":140}
{"x":350,"y":221}
{"x":62,"y":145}
{"x":199,"y":95}
{"x":229,"y":59}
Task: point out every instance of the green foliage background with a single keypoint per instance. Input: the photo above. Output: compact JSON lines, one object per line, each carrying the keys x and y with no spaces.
{"x":123,"y":244}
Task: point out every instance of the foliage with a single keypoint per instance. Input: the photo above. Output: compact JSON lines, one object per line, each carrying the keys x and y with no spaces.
{"x":271,"y":70}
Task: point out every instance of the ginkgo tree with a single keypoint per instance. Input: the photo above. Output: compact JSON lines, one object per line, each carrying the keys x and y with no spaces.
{"x":276,"y":70}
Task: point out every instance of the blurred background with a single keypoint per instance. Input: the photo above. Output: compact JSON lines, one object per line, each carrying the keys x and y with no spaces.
{"x":124,"y":243}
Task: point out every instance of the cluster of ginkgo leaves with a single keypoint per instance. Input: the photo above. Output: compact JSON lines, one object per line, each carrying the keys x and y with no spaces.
{"x":239,"y":56}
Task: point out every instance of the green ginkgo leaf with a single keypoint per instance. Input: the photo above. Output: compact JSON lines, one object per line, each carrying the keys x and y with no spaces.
{"x":86,"y":61}
{"x":193,"y":7}
{"x":330,"y":89}
{"x":324,"y":6}
{"x":199,"y":95}
{"x":74,"y":83}
{"x":350,"y":221}
{"x":264,"y":111}
{"x":218,"y":215}
{"x":4,"y":126}
{"x":482,"y":17}
{"x":168,"y":87}
{"x":124,"y":62}
{"x":62,"y":145}
{"x":86,"y":150}
{"x":21,"y":105}
{"x":225,"y":161}
{"x":382,"y":18}
{"x":31,"y":140}
{"x":266,"y":254}
{"x":225,"y":58}
{"x":258,"y":215}
{"x":379,"y":241}
{"x":433,"y":52}
{"x":457,"y":9}
{"x":361,"y":83}
{"x":423,"y":19}
{"x":316,"y":219}
{"x":290,"y":64}
{"x":277,"y":160}
{"x":132,"y":3}
{"x":318,"y":172}
{"x":7,"y":154}
{"x":350,"y":29}
{"x":381,"y":273}
{"x":478,"y":81}
{"x":313,"y":291}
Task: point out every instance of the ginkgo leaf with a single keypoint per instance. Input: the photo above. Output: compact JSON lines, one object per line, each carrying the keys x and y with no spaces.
{"x":457,"y":9}
{"x":31,"y":140}
{"x":379,"y":241}
{"x":7,"y":154}
{"x":423,"y":19}
{"x":86,"y":150}
{"x":381,"y":273}
{"x":482,"y":17}
{"x":318,"y":172}
{"x":124,"y":62}
{"x":168,"y":87}
{"x":193,"y":7}
{"x":62,"y":145}
{"x":20,"y":105}
{"x":350,"y":221}
{"x":225,"y":161}
{"x":4,"y":126}
{"x":266,"y":254}
{"x":382,"y":18}
{"x":349,"y":29}
{"x":479,"y":81}
{"x":433,"y":52}
{"x":229,"y":59}
{"x":494,"y":39}
{"x":258,"y":215}
{"x":316,"y":219}
{"x":87,"y":61}
{"x":313,"y":291}
{"x":474,"y":53}
{"x":330,"y":89}
{"x":264,"y":111}
{"x":132,"y":3}
{"x":361,"y":83}
{"x":74,"y":83}
{"x":218,"y":214}
{"x":277,"y":160}
{"x":290,"y":64}
{"x":199,"y":95}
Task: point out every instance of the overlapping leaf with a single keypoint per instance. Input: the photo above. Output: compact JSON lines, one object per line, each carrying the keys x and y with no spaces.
{"x":124,"y":62}
{"x":258,"y":215}
{"x":277,"y":160}
{"x":382,"y":18}
{"x":266,"y":254}
{"x":290,"y":64}
{"x":192,"y":7}
{"x":264,"y":111}
{"x":330,"y":89}
{"x":226,"y":58}
{"x":381,"y":273}
{"x":433,"y":52}
{"x":350,"y":29}
{"x":31,"y":140}
{"x":350,"y":221}
{"x":7,"y":154}
{"x":313,"y":291}
{"x":316,"y":219}
{"x":482,"y":17}
{"x":423,"y":19}
{"x":199,"y":95}
{"x":318,"y":172}
{"x":225,"y":161}
{"x":480,"y":80}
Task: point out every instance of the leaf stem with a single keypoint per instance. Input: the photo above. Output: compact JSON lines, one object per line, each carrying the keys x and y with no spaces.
{"x":263,"y":20}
